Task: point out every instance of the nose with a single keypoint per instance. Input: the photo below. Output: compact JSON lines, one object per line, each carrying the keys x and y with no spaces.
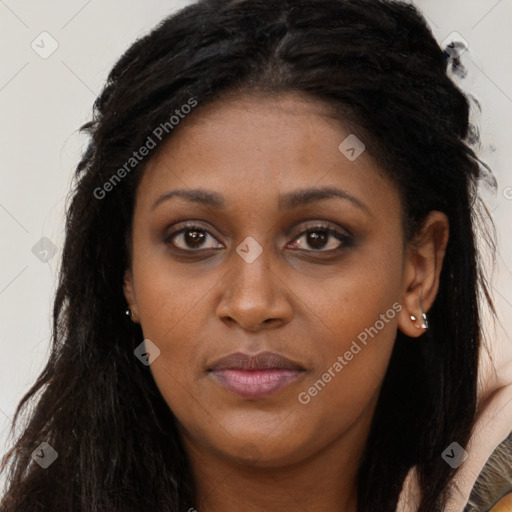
{"x":254,"y":295}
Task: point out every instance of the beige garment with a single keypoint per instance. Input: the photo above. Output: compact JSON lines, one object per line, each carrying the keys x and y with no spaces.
{"x":493,"y":425}
{"x":504,"y":505}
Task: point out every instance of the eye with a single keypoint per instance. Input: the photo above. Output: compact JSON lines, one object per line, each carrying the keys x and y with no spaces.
{"x":321,"y":237}
{"x":190,"y":238}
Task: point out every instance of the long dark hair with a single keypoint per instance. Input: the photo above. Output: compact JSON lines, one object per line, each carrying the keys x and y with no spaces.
{"x":377,"y":63}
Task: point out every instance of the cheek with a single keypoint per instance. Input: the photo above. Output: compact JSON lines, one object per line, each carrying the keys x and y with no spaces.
{"x":169,"y":304}
{"x":167,"y":294}
{"x":172,"y":316}
{"x":354,"y":317}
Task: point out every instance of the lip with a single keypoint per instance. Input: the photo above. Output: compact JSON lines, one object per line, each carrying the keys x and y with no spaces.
{"x":255,"y":376}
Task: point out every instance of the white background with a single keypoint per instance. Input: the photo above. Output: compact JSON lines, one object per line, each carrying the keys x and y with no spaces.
{"x":43,"y":102}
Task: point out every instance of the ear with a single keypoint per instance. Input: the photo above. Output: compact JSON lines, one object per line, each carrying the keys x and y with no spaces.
{"x":129,"y":295}
{"x":422,"y":272}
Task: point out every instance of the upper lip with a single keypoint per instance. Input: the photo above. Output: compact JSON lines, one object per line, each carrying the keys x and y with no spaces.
{"x":261,"y":361}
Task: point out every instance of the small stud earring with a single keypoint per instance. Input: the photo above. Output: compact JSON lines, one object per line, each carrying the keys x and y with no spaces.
{"x":424,"y":323}
{"x":129,"y":313}
{"x":424,"y":320}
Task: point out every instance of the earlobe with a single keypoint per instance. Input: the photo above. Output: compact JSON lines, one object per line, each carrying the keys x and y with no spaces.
{"x":413,"y":324}
{"x":422,"y":273}
{"x":129,"y":294}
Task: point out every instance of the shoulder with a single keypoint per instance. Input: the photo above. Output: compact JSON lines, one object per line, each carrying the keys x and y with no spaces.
{"x":492,"y":491}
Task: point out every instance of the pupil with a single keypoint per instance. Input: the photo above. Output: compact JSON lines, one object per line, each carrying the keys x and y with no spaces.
{"x":317,"y":240}
{"x":195,"y":240}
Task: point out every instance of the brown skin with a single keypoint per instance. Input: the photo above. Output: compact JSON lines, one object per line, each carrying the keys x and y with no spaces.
{"x":274,"y":453}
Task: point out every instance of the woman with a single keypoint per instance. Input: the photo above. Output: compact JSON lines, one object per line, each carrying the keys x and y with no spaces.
{"x":282,"y":198}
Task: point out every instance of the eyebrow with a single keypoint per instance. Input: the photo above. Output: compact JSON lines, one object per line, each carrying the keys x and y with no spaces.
{"x":288,"y":201}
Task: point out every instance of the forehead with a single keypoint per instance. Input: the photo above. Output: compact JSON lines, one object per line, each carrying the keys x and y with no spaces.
{"x":256,"y":147}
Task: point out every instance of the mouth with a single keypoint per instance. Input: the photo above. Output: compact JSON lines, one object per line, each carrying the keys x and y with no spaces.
{"x":255,"y":376}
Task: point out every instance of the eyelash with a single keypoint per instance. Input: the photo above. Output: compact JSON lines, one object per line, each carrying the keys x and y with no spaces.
{"x":343,"y":238}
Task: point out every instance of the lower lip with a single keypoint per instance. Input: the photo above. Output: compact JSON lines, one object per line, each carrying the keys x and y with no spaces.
{"x":255,"y":383}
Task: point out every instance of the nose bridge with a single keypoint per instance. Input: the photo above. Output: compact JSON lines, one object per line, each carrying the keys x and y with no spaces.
{"x":252,"y":293}
{"x":252,"y":268}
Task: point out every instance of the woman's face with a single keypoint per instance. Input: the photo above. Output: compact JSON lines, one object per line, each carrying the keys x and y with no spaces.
{"x":248,"y":278}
